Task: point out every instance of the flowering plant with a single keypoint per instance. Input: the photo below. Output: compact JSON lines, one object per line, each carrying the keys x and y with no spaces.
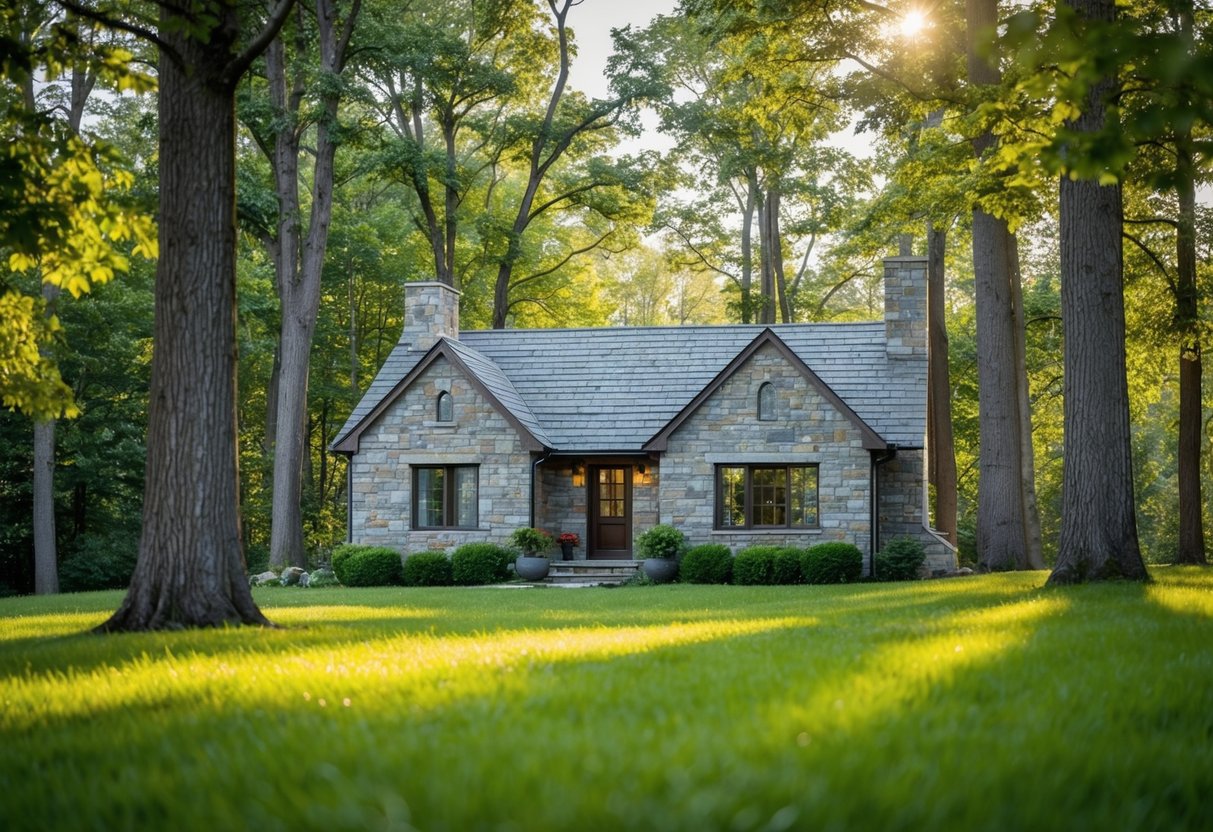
{"x":569,"y":537}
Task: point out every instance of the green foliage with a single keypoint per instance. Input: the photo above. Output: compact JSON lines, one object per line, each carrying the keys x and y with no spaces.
{"x":474,"y":564}
{"x":99,"y":562}
{"x":832,"y":563}
{"x":427,"y":569}
{"x":755,"y":565}
{"x":531,"y":542}
{"x":661,"y":541}
{"x":321,"y":578}
{"x":372,"y":566}
{"x":341,"y":556}
{"x":708,"y":563}
{"x":467,"y":681}
{"x":785,"y":566}
{"x":900,"y":559}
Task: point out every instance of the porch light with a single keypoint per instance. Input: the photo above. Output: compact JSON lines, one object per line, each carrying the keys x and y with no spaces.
{"x":578,"y":476}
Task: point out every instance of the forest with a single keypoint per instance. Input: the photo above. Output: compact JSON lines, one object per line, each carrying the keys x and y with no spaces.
{"x":746,"y":161}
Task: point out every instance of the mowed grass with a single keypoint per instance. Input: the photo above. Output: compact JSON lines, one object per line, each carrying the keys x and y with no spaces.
{"x":970,"y":704}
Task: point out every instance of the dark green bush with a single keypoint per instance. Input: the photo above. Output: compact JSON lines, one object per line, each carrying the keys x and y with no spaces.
{"x":661,"y":541}
{"x":531,"y":542}
{"x":427,"y":569}
{"x":755,"y":565}
{"x":473,"y":564}
{"x":341,"y":554}
{"x":709,"y":563}
{"x":785,"y":566}
{"x":373,"y":566}
{"x":831,"y":563}
{"x":900,"y":559}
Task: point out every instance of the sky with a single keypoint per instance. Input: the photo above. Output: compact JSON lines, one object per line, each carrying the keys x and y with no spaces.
{"x":592,"y":21}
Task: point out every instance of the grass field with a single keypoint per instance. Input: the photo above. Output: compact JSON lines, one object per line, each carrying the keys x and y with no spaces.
{"x":968,"y":704}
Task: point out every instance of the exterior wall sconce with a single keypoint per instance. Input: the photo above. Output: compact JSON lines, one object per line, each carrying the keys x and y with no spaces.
{"x":578,"y":476}
{"x":643,"y":476}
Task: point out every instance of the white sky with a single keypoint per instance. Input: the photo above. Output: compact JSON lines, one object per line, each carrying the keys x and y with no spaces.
{"x":591,"y":22}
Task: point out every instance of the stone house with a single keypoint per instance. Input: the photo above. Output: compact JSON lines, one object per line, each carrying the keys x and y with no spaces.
{"x":785,"y":434}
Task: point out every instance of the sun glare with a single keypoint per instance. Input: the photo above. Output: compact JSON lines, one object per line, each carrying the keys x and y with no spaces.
{"x":913,"y":22}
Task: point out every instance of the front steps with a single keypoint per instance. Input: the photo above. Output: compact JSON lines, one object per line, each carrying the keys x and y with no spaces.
{"x":591,"y":571}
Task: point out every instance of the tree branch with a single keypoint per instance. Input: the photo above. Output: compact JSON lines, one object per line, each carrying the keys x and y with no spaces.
{"x":122,"y":26}
{"x":257,"y":45}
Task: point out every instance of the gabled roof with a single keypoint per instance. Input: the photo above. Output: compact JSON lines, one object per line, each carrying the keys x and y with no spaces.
{"x":615,"y":389}
{"x":480,"y":371}
{"x":871,"y":440}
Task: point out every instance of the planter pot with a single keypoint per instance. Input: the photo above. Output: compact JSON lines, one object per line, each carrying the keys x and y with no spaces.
{"x":532,"y":569}
{"x":566,"y":551}
{"x":661,"y":570}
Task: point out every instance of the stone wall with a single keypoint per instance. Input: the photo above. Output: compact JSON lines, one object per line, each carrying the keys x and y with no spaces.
{"x":905,"y":306}
{"x":807,"y":429}
{"x":407,"y":434}
{"x":431,"y":311}
{"x":903,"y":509}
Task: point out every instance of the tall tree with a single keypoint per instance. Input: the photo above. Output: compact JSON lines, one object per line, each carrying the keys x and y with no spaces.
{"x":190,"y":569}
{"x":1098,"y":527}
{"x":941,"y":464}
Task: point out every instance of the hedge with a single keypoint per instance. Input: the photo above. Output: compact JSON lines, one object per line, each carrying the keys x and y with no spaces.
{"x":474,"y":564}
{"x":372,"y":566}
{"x":427,"y":569}
{"x":708,"y":563}
{"x":831,"y":563}
{"x":900,"y":559}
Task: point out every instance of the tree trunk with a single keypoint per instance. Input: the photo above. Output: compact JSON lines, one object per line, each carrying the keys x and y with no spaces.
{"x":1098,"y":524}
{"x":747,"y":250}
{"x":191,"y":571}
{"x":766,"y":284}
{"x":781,"y":283}
{"x":300,"y":296}
{"x":942,"y":462}
{"x":46,"y":559}
{"x":1187,"y":317}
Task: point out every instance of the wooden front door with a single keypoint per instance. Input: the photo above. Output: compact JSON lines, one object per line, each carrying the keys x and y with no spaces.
{"x":610,"y":512}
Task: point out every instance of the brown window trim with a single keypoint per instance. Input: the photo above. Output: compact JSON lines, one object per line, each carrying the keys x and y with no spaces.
{"x":748,"y":508}
{"x":449,"y":497}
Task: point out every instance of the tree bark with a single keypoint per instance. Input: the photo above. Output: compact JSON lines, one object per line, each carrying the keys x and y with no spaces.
{"x":1098,"y":522}
{"x":1034,"y":554}
{"x":1187,"y":318}
{"x":191,"y":570}
{"x":942,"y":458}
{"x":747,"y":250}
{"x":299,"y":285}
{"x":46,"y":559}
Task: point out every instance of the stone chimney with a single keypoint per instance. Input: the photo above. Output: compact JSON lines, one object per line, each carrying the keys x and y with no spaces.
{"x":431,"y":311}
{"x":905,"y":306}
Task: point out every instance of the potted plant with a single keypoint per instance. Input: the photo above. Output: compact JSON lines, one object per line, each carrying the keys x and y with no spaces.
{"x":660,"y":547}
{"x":532,"y":564}
{"x":568,"y":541}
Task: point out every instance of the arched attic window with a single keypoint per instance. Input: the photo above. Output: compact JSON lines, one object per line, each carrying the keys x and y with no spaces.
{"x":766,"y":402}
{"x":445,"y":407}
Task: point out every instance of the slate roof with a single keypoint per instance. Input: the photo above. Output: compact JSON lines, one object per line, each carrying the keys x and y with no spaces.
{"x":613,"y":389}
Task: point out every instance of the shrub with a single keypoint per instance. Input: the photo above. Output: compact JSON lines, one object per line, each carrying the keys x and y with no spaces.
{"x":710,"y":563}
{"x":373,"y":566}
{"x":531,"y":542}
{"x":661,"y":541}
{"x":755,"y":565}
{"x":322,"y":577}
{"x":831,"y":563}
{"x":340,"y":555}
{"x":473,"y":564}
{"x":785,"y":566}
{"x":900,"y":559}
{"x":427,"y":569}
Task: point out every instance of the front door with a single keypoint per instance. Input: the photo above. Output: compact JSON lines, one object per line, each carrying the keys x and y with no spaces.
{"x":610,"y":512}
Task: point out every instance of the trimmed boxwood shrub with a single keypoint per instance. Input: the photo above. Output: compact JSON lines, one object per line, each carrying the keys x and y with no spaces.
{"x":709,"y":563}
{"x":900,"y":559}
{"x":473,"y":564}
{"x":831,"y":563}
{"x":372,"y":566}
{"x":661,"y":541}
{"x":755,"y":565}
{"x":785,"y":566}
{"x":341,"y":554}
{"x":427,"y":569}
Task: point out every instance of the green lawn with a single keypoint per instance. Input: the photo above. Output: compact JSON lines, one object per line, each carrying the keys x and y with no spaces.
{"x":980,"y":703}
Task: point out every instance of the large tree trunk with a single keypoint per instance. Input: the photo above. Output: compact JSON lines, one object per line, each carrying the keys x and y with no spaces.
{"x":776,"y":240}
{"x":1002,"y":538}
{"x":747,"y":250}
{"x":46,"y":560}
{"x":299,"y":285}
{"x":191,"y":570}
{"x":1098,"y":523}
{"x":942,"y":459}
{"x":766,"y":274}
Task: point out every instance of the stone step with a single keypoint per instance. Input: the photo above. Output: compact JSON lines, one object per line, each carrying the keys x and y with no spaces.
{"x":592,"y":571}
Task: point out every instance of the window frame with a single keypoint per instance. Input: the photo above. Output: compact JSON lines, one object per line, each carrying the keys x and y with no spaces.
{"x":450,"y":496}
{"x":767,"y":413}
{"x":444,"y":397}
{"x":748,"y":506}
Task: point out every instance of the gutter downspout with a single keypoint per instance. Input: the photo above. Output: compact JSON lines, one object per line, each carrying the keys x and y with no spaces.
{"x":534,"y":466}
{"x":349,"y":498}
{"x":889,"y":454}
